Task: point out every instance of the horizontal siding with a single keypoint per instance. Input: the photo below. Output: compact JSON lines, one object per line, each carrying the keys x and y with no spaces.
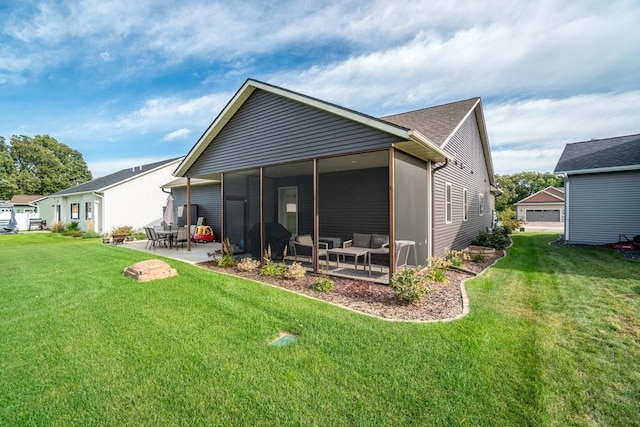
{"x":473,"y":176}
{"x":209,"y":201}
{"x":354,"y":202}
{"x":269,"y":129}
{"x":603,"y":206}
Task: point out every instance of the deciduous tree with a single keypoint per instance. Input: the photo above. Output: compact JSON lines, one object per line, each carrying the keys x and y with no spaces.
{"x":517,"y":186}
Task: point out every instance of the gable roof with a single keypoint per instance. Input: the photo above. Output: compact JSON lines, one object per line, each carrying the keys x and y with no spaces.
{"x":547,"y":195}
{"x":25,"y":199}
{"x":105,"y":182}
{"x":410,"y":139}
{"x":438,"y":122}
{"x":601,"y":155}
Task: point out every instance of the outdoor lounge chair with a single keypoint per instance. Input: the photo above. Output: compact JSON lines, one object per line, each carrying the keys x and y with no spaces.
{"x":303,"y":246}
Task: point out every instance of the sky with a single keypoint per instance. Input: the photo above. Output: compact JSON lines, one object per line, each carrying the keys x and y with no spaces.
{"x":128,"y":83}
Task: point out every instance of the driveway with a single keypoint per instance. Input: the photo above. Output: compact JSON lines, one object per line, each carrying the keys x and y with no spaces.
{"x":556,"y":227}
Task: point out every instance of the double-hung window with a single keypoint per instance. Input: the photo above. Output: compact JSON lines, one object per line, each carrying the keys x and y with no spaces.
{"x":448,"y":208}
{"x":75,"y":210}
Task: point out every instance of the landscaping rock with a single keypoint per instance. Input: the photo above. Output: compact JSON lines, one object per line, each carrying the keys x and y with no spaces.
{"x":145,"y":271}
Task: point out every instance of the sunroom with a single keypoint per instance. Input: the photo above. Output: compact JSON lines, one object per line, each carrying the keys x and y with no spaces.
{"x":341,"y":192}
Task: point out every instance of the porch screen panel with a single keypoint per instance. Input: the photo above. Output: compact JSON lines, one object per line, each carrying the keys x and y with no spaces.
{"x":411,"y":204}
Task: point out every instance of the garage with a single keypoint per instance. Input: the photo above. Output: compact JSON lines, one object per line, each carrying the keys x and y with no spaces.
{"x":543,"y":215}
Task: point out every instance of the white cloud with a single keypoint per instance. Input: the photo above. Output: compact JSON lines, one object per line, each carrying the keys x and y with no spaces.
{"x":101,"y":168}
{"x":177,"y":134}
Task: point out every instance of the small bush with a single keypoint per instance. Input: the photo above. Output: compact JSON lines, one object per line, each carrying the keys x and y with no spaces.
{"x":273,"y":269}
{"x":295,"y":272}
{"x":248,"y":265}
{"x":227,"y":261}
{"x":322,"y":285}
{"x":456,"y":258}
{"x":437,"y":269}
{"x":73,"y":226}
{"x":510,"y":226}
{"x":479,"y":258}
{"x":410,"y":286}
{"x":495,"y":240}
{"x":123,"y":229}
{"x":58,"y":227}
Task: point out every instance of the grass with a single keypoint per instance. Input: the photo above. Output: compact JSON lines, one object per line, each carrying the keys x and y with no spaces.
{"x":552,"y":339}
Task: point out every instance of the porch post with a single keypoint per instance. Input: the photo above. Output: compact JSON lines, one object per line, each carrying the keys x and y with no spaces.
{"x":188,"y":213}
{"x":316,"y":218}
{"x":392,"y":212}
{"x":262,"y":248}
{"x":222,"y":209}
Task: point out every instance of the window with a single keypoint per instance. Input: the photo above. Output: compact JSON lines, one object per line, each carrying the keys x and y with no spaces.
{"x":75,"y":210}
{"x":447,"y":203}
{"x":88,"y":211}
{"x":481,"y":203}
{"x":465,"y":205}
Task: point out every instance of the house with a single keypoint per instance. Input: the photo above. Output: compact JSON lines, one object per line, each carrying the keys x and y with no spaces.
{"x":602,"y":189}
{"x":26,"y":208}
{"x":206,"y":201}
{"x":544,"y":206}
{"x":131,"y":197}
{"x":322,"y":170}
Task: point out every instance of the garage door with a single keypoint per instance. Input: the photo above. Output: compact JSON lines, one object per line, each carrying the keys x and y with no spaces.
{"x":543,"y":215}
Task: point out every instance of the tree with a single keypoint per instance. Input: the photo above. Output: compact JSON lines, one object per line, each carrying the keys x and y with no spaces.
{"x":517,"y":186}
{"x":39,"y":165}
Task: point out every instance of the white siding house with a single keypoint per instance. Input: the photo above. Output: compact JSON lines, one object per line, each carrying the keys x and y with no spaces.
{"x":130,"y":197}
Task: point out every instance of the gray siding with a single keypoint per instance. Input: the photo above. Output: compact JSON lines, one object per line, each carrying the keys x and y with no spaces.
{"x":411,"y":203}
{"x":473,"y":176}
{"x":269,"y":129}
{"x":600,"y":207}
{"x":208,"y":199}
{"x":354,"y":202}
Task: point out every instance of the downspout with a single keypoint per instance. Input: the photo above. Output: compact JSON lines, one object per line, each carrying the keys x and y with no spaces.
{"x":566,"y":207}
{"x":101,"y":211}
{"x":433,"y":203}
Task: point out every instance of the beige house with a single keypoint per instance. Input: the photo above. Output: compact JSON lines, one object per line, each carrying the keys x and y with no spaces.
{"x":544,"y":206}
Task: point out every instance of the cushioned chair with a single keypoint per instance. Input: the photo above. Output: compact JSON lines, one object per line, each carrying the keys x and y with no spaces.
{"x":182,"y":236}
{"x":303,"y":246}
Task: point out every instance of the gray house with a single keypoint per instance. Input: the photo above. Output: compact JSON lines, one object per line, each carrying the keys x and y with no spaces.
{"x":602,"y":189}
{"x":276,"y":156}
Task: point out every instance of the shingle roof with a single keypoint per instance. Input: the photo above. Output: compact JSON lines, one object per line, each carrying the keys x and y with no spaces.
{"x":109,"y":180}
{"x":547,"y":195}
{"x":615,"y":152}
{"x":436,"y":123}
{"x":23,"y":199}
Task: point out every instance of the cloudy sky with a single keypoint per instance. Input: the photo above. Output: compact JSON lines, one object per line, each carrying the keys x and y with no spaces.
{"x":127,"y":83}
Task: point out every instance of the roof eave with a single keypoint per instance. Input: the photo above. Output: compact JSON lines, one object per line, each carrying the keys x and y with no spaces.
{"x":599,"y":170}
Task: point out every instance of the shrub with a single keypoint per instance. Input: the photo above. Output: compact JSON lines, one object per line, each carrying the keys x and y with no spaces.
{"x":495,"y":240}
{"x":248,"y":265}
{"x":456,"y":258}
{"x":322,"y":285}
{"x":123,"y":229}
{"x":74,"y":233}
{"x":227,"y":259}
{"x":57,"y":227}
{"x":511,"y":225}
{"x":479,"y":258}
{"x":295,"y":271}
{"x":273,"y":270}
{"x":410,"y":286}
{"x":437,"y":269}
{"x":73,"y":226}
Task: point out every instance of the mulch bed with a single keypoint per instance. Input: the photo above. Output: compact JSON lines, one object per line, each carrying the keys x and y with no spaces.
{"x":445,"y":302}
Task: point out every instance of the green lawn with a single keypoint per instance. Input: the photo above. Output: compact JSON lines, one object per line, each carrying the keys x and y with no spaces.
{"x":552,"y":339}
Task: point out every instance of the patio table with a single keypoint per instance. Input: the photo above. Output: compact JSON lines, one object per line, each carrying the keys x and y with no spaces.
{"x":170,"y":235}
{"x":355,"y":252}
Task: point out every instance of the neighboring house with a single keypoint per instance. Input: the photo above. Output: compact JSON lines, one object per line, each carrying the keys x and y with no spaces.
{"x":26,"y":208}
{"x":327,"y":171}
{"x":602,"y":189}
{"x":129,"y":197}
{"x":544,"y":206}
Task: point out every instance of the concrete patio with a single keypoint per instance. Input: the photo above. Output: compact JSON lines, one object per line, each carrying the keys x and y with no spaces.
{"x":197,"y":253}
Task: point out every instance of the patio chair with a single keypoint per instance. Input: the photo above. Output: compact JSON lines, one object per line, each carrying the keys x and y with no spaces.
{"x":156,"y":239}
{"x":149,"y":238}
{"x":303,"y":246}
{"x":182,"y":236}
{"x":402,"y":253}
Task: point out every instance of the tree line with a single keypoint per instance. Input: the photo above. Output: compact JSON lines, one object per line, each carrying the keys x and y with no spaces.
{"x":39,"y":165}
{"x":518,"y":186}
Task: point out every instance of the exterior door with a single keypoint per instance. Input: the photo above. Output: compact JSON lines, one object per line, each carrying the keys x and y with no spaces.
{"x":288,"y":208}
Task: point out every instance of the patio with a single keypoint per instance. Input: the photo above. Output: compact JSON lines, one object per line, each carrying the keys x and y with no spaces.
{"x":197,"y":254}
